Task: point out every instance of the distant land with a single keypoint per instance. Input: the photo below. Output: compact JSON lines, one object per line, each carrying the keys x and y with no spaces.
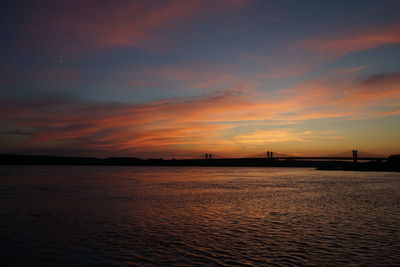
{"x":392,"y":163}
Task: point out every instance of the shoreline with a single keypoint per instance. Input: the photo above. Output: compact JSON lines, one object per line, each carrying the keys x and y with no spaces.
{"x":230,"y":162}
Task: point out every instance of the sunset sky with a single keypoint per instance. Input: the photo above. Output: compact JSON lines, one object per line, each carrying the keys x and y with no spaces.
{"x":180,"y":78}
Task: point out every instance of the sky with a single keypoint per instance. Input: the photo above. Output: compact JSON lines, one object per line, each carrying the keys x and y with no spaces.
{"x":181,"y":78}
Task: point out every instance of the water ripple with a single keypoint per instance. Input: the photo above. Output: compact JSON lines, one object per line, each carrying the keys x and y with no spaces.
{"x":198,"y":216}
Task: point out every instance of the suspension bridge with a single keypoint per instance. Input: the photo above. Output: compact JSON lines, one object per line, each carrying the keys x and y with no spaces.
{"x":353,"y":155}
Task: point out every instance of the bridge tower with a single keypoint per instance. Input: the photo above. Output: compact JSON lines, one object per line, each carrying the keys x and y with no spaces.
{"x":355,"y":156}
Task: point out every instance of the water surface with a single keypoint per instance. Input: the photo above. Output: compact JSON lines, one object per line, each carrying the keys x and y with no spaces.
{"x":180,"y":216}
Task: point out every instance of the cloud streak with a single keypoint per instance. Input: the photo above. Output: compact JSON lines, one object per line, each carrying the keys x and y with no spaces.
{"x":75,"y":26}
{"x":191,"y":125}
{"x":357,"y":39}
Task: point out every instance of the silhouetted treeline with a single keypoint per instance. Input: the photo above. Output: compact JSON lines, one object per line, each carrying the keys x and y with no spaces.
{"x":54,"y":160}
{"x":392,"y":163}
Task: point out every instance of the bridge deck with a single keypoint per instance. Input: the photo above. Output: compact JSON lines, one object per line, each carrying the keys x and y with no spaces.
{"x":332,"y":158}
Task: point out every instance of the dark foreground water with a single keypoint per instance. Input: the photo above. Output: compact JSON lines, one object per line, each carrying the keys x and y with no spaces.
{"x":184,"y":216}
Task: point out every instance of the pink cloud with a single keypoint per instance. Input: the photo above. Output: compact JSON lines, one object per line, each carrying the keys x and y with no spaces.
{"x":390,"y":113}
{"x":66,"y":26}
{"x":342,"y":96}
{"x":353,"y":40}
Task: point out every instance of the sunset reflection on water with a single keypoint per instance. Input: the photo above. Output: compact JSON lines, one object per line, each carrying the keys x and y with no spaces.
{"x":198,"y":216}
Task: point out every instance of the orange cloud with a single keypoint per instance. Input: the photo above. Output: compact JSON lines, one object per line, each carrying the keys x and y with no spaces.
{"x":209,"y":122}
{"x":281,"y":136}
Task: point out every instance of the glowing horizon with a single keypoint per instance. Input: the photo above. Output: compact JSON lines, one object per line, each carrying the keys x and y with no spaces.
{"x":177,"y":79}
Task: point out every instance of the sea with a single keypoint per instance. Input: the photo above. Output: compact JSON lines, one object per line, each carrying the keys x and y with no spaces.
{"x":197,"y":216}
